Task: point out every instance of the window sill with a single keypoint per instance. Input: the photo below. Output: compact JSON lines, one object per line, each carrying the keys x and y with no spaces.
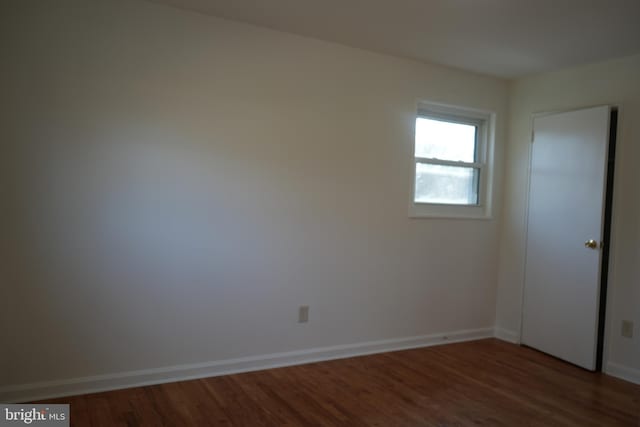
{"x":435,"y":211}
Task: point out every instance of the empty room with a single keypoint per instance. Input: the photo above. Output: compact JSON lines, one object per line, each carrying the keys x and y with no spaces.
{"x":320,"y":213}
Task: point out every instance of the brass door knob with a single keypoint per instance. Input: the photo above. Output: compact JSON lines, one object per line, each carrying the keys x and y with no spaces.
{"x":591,"y":244}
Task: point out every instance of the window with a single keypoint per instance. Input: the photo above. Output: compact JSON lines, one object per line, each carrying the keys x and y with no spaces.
{"x":451,"y":168}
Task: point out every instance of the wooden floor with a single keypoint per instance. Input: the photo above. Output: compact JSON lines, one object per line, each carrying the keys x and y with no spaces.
{"x":487,"y":382}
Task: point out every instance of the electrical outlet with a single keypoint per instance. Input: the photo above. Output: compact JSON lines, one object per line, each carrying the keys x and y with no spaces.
{"x":627,"y":329}
{"x":303,"y":314}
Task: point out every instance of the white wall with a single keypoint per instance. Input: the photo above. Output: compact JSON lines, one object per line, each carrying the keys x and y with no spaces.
{"x":616,"y":83}
{"x":179,"y":184}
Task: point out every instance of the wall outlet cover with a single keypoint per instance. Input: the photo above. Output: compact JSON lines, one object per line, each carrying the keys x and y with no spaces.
{"x":303,"y":314}
{"x":627,"y":329}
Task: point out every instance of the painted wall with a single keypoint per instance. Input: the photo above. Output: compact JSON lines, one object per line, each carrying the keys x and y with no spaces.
{"x":616,"y":83}
{"x":177,"y":185}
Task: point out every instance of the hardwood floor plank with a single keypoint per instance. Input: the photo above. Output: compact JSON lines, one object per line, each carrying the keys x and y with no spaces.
{"x":485,"y":382}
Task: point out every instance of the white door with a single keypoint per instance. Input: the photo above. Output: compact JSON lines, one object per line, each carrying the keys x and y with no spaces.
{"x":564,"y":234}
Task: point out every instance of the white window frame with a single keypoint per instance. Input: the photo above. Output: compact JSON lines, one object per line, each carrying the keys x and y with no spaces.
{"x":485,"y":122}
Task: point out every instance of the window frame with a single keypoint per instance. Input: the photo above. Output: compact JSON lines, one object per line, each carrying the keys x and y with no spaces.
{"x":485,"y":124}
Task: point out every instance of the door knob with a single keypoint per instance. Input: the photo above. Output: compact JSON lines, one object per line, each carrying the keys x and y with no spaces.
{"x":591,"y":244}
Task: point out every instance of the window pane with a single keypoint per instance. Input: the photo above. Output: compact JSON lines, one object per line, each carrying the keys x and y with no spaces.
{"x":445,"y":140}
{"x":454,"y":185}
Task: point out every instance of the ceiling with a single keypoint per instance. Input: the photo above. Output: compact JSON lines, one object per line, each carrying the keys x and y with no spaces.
{"x":506,"y":38}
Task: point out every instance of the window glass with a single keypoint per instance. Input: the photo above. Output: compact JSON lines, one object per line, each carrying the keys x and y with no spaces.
{"x":442,"y":184}
{"x":443,"y":140}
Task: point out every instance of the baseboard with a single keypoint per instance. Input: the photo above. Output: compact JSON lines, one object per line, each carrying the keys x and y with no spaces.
{"x":94,"y":384}
{"x":506,"y":335}
{"x":623,"y":372}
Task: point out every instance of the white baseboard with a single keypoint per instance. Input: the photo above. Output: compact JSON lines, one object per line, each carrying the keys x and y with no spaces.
{"x":98,"y":383}
{"x":507,"y":335}
{"x":623,"y":372}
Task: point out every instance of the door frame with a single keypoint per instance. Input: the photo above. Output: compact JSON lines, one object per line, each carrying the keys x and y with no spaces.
{"x":605,"y":324}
